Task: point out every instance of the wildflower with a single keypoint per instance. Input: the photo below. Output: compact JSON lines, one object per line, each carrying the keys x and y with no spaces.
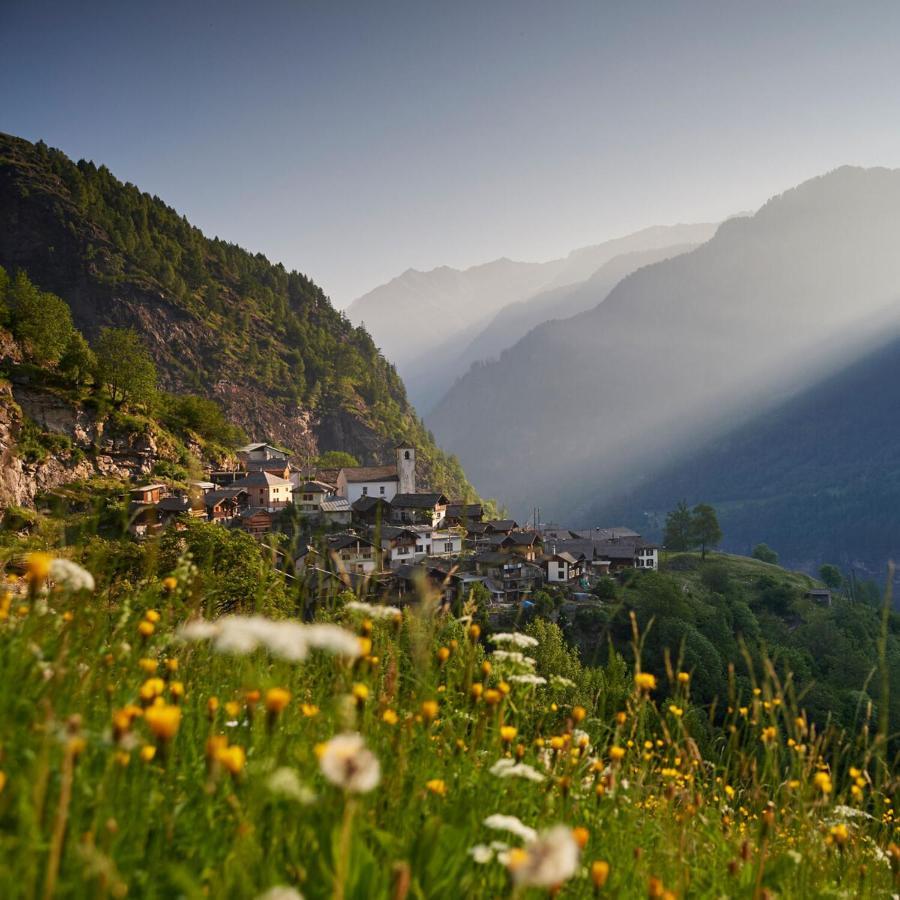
{"x":374,"y":611}
{"x":176,"y":689}
{"x":169,"y":583}
{"x":676,"y":711}
{"x":645,"y":681}
{"x":310,"y":710}
{"x":507,"y":768}
{"x":152,"y":616}
{"x":360,"y":693}
{"x":486,"y":668}
{"x":481,"y":853}
{"x":151,"y":689}
{"x":389,"y":717}
{"x":560,"y":681}
{"x":347,"y":762}
{"x":123,"y":757}
{"x":822,"y":781}
{"x":70,"y":576}
{"x":522,"y":641}
{"x":251,"y":697}
{"x":511,"y":824}
{"x":579,"y":713}
{"x":547,"y":861}
{"x":599,"y":873}
{"x":212,"y":706}
{"x":443,"y":654}
{"x":365,"y":645}
{"x":492,"y":697}
{"x":839,"y":834}
{"x":280,"y":892}
{"x":528,"y":679}
{"x":768,"y":734}
{"x":276,"y":700}
{"x":429,"y":710}
{"x":476,"y":690}
{"x":148,"y":665}
{"x":474,"y":632}
{"x":37,"y":567}
{"x":581,"y":835}
{"x":616,"y":753}
{"x":437,"y":786}
{"x":232,"y":758}
{"x":163,"y":721}
{"x":285,"y":639}
{"x":232,"y":709}
{"x":286,"y":783}
{"x":146,"y":628}
{"x":148,"y":751}
{"x":684,"y":677}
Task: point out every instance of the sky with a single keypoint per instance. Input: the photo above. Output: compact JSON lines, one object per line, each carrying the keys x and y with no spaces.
{"x":353,"y":140}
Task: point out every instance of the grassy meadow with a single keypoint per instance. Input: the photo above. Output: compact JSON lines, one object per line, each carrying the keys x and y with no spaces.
{"x":150,"y":750}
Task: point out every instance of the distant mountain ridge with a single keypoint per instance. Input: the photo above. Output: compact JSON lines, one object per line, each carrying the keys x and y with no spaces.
{"x":429,"y":323}
{"x":579,"y":409}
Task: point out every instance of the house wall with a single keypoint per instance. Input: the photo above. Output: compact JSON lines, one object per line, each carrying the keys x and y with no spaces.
{"x":354,"y":490}
{"x":557,"y":572}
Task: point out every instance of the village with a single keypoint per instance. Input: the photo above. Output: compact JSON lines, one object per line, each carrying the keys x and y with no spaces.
{"x":370,"y":525}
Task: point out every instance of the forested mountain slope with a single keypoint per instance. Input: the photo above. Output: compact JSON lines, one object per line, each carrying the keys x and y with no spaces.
{"x":217,"y":319}
{"x":817,"y":479}
{"x":580,"y":408}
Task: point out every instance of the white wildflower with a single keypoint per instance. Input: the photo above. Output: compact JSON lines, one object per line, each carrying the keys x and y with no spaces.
{"x":560,"y":681}
{"x":70,"y":576}
{"x":842,"y":812}
{"x":334,"y":639}
{"x":513,"y":656}
{"x":348,"y":763}
{"x":514,"y":639}
{"x":511,"y":824}
{"x":547,"y":861}
{"x":285,"y":782}
{"x":281,"y":892}
{"x":286,"y":639}
{"x":527,"y":679}
{"x":481,"y":853}
{"x":508,"y":768}
{"x":373,"y":610}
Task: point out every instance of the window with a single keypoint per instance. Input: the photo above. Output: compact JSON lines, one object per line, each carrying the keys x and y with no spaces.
{"x":365,"y":492}
{"x":448,"y":547}
{"x":406,"y":454}
{"x":420,"y":548}
{"x":381,"y":490}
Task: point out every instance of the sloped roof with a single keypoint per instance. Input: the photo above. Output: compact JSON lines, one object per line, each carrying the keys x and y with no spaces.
{"x":314,"y":487}
{"x":261,"y":479}
{"x":364,"y":504}
{"x":357,"y":474}
{"x":418,"y":501}
{"x":501,"y":524}
{"x":340,"y":541}
{"x":338,"y":504}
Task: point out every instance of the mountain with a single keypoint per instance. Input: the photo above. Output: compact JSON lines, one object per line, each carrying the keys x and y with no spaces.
{"x":218,"y":320}
{"x":581,"y":408}
{"x":815,"y":478}
{"x":425,"y":321}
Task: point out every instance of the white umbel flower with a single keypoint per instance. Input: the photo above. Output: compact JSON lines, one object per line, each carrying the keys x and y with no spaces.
{"x":508,"y":768}
{"x":281,"y":892}
{"x":511,"y":824}
{"x":547,"y":861}
{"x":285,"y":782}
{"x":513,"y":656}
{"x":527,"y":679}
{"x":514,"y":639}
{"x":285,"y":638}
{"x":373,"y":610}
{"x":347,"y":762}
{"x":70,"y":576}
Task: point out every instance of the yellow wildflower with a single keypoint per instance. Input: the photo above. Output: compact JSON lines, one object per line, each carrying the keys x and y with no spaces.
{"x":232,"y":758}
{"x":148,"y":751}
{"x":163,"y":721}
{"x":645,"y":681}
{"x":37,"y":567}
{"x":310,"y":710}
{"x":599,"y":873}
{"x":389,"y":717}
{"x":508,"y":733}
{"x":429,"y":710}
{"x":437,"y":786}
{"x":276,"y":700}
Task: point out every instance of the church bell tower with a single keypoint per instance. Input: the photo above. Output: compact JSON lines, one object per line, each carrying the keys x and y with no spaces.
{"x":406,"y":470}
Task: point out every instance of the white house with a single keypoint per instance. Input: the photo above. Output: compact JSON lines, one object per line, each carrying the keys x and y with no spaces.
{"x":261,"y":452}
{"x":309,"y":495}
{"x":561,"y":568}
{"x":439,"y":541}
{"x":646,"y":556}
{"x":386,"y":482}
{"x":356,"y":554}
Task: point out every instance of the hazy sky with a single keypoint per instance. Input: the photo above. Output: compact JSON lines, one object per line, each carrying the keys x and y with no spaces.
{"x":353,"y":140}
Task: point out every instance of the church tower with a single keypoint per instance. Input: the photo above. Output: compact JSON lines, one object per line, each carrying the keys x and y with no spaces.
{"x":406,"y":470}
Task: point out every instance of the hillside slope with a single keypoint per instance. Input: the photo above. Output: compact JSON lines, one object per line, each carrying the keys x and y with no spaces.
{"x":679,"y":348}
{"x":817,"y":479}
{"x":217,"y":319}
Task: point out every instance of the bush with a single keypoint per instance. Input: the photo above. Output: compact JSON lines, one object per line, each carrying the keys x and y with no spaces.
{"x":764,"y":553}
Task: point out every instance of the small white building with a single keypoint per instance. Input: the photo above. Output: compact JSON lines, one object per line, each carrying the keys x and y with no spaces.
{"x":385,"y":482}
